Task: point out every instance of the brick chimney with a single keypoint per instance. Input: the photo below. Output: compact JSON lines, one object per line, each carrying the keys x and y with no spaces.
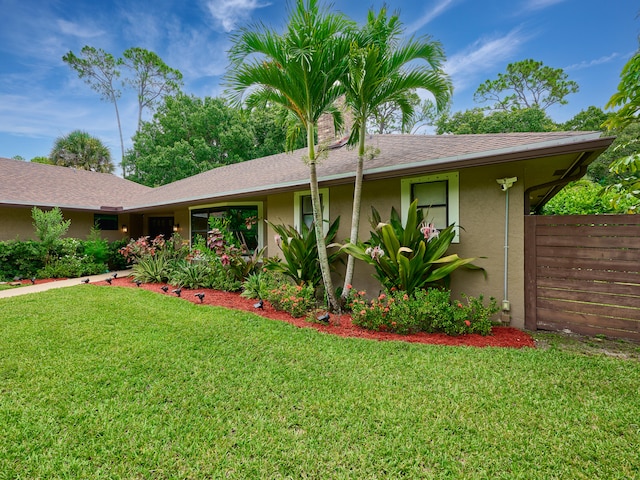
{"x":326,"y":131}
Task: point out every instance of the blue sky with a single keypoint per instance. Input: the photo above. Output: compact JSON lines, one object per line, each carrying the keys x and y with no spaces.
{"x":41,"y":98}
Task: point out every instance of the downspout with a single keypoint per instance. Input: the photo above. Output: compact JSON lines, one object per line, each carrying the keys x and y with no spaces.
{"x":505,"y":185}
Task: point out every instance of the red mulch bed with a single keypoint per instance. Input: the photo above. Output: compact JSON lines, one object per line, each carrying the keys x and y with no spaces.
{"x":342,"y":325}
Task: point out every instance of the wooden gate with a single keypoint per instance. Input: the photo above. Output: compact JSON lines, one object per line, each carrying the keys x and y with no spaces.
{"x":582,"y":273}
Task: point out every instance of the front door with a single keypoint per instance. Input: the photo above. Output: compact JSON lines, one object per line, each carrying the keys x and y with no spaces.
{"x":160,"y":226}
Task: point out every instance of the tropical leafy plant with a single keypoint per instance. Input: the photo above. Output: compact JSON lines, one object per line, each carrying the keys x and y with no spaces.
{"x":300,"y":251}
{"x":191,"y":275}
{"x":222,"y":278}
{"x":409,"y":257}
{"x":256,"y":285}
{"x":152,"y":269}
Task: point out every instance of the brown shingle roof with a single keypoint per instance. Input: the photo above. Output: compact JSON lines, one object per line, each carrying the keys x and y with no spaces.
{"x":35,"y":184}
{"x":24,"y":183}
{"x":399,"y":154}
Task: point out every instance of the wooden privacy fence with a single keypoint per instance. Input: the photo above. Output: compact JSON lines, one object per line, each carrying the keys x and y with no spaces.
{"x":582,"y":273}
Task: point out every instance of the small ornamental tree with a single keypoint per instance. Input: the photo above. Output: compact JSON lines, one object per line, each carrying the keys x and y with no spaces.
{"x":50,"y":228}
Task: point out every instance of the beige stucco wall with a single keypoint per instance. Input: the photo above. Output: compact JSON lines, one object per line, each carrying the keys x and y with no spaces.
{"x":482,"y":216}
{"x":16,"y":223}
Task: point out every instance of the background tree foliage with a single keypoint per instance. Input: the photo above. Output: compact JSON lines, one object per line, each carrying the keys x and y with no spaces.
{"x":627,"y":165}
{"x":150,"y":77}
{"x":189,"y":135}
{"x":583,"y":197}
{"x":477,"y":121}
{"x":532,"y":85}
{"x":80,"y":150}
{"x":101,"y":71}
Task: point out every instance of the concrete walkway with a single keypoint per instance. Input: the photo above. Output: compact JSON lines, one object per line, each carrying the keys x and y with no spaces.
{"x":41,"y":287}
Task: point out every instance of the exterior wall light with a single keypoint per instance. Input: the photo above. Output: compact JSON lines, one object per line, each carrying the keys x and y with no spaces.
{"x":124,"y":229}
{"x":176,"y":227}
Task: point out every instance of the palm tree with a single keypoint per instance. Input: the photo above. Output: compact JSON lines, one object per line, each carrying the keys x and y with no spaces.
{"x":80,"y":150}
{"x":378,"y":73}
{"x":299,"y":70}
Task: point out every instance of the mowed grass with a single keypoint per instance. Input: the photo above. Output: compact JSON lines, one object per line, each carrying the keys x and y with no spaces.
{"x":99,"y":382}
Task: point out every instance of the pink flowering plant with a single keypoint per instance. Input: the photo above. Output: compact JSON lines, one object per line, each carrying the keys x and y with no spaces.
{"x":409,"y":257}
{"x":135,"y":250}
{"x":231,"y":256}
{"x":422,"y":311}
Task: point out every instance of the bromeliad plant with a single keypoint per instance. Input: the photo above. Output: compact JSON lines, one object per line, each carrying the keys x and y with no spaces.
{"x":409,"y":257}
{"x":300,"y":251}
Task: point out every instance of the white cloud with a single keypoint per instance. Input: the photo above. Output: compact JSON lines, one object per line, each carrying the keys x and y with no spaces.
{"x":592,"y":63}
{"x":143,"y":27}
{"x":540,"y":4}
{"x":74,"y":29}
{"x":195,"y":52}
{"x":227,"y":13}
{"x":429,"y":15}
{"x":479,"y":58}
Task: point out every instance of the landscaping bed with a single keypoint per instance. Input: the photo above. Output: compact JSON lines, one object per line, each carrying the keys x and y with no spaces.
{"x":340,"y":325}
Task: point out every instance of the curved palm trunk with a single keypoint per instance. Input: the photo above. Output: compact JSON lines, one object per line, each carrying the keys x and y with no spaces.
{"x":355,"y":213}
{"x":323,"y":258}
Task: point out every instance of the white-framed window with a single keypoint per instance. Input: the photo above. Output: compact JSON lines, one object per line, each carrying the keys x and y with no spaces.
{"x":439,"y":197}
{"x":246,"y":221}
{"x":303,"y":209}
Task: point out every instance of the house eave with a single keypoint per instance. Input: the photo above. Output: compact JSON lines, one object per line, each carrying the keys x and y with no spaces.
{"x":493,"y":157}
{"x":64,"y":206}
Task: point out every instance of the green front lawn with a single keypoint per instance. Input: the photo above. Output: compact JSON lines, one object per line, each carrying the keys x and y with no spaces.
{"x":101,"y":382}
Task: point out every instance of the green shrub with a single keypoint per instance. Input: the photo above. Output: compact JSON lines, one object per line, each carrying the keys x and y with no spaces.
{"x":222,"y":278}
{"x":71,"y":266}
{"x":50,"y":226}
{"x":115,"y":259}
{"x":296,"y":300}
{"x":95,"y":246}
{"x":20,"y":259}
{"x":426,"y":311}
{"x":585,"y":198}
